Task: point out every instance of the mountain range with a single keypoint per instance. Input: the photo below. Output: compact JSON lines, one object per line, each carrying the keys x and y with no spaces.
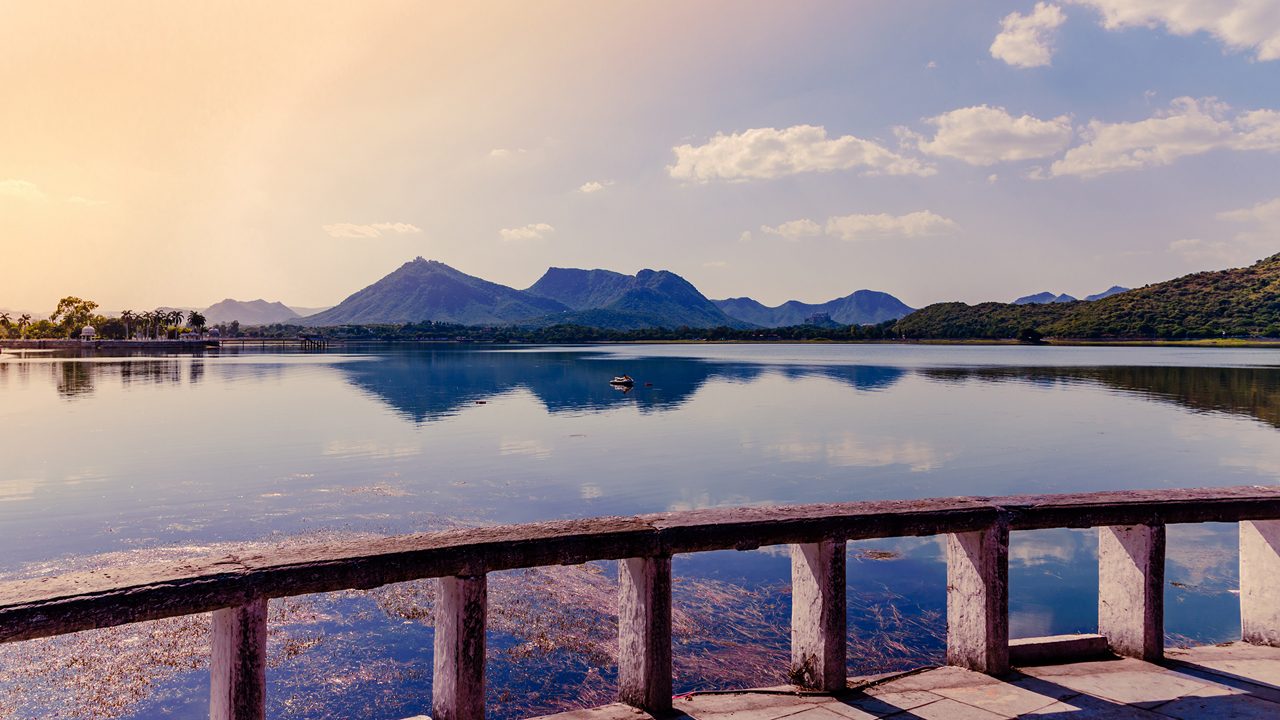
{"x":1048,"y":297}
{"x":863,"y":307}
{"x":250,"y":312}
{"x":426,"y":290}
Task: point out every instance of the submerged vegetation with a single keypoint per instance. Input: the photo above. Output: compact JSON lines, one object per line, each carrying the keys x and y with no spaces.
{"x":553,"y":637}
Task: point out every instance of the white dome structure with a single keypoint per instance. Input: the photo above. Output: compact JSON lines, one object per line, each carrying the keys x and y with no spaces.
{"x":88,"y":333}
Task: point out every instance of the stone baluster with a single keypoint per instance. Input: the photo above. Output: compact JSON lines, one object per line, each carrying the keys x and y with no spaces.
{"x":978,"y":599}
{"x":457,"y":686}
{"x":238,"y":663}
{"x":1260,"y":582}
{"x":1131,"y":589}
{"x":818,"y":615}
{"x":644,"y":633}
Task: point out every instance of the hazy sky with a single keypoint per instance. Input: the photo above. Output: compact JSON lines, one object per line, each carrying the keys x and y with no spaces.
{"x":180,"y":153}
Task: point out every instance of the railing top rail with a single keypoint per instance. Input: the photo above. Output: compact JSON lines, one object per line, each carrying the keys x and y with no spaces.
{"x":45,"y":606}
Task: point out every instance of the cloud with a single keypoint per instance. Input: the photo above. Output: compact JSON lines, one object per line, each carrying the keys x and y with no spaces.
{"x":866,"y":226}
{"x":1189,"y":127}
{"x":745,"y":236}
{"x":88,"y":202}
{"x":768,"y":153}
{"x":1241,"y":25}
{"x":22,"y":190}
{"x":373,"y":230}
{"x":794,"y":230}
{"x":1026,"y":41}
{"x":1260,"y":224}
{"x":983,"y":135}
{"x":594,"y":186}
{"x":532,"y":231}
{"x":1264,"y":213}
{"x":502,"y":153}
{"x":1202,"y":252}
{"x":917,"y":224}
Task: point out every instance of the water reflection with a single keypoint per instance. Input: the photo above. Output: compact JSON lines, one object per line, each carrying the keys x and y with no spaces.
{"x":1247,"y":392}
{"x":434,"y":383}
{"x":75,"y":378}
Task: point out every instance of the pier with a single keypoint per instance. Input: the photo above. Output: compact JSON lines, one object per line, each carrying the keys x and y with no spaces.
{"x":1122,"y":671}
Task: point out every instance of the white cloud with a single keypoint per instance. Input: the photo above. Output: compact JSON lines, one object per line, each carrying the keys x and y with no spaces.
{"x":767,"y":153}
{"x":594,"y":186}
{"x":1241,"y":25}
{"x":503,"y":153}
{"x":1260,"y":225}
{"x":931,"y":65}
{"x":1264,"y":213}
{"x":982,"y":135}
{"x":1204,"y":252}
{"x":745,"y":236}
{"x":89,"y":202}
{"x":917,"y":224}
{"x":992,"y":178}
{"x":22,"y":190}
{"x":921,"y":223}
{"x":373,"y":230}
{"x":794,"y":230}
{"x":1026,"y":41}
{"x":532,"y":231}
{"x":1189,"y":127}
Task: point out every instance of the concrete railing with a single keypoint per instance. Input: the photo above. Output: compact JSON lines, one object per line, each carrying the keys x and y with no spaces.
{"x":1131,"y":544}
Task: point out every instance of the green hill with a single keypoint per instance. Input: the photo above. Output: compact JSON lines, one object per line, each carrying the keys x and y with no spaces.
{"x":1240,"y":302}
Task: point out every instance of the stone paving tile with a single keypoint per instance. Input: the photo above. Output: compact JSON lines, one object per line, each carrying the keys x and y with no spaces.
{"x":743,"y":706}
{"x":1001,"y":698}
{"x":820,"y":712}
{"x":888,"y":703}
{"x":948,"y":677}
{"x":1235,"y":707}
{"x":1083,"y":707}
{"x":948,"y":709}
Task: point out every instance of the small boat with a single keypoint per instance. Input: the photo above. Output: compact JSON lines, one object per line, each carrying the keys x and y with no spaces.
{"x":622,"y":381}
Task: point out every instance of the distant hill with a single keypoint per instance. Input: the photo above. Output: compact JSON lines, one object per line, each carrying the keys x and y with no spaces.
{"x":422,"y":290}
{"x":1113,"y":290}
{"x":650,"y":298}
{"x":1238,"y":302}
{"x":863,"y":307}
{"x":251,"y":312}
{"x":1044,"y":297}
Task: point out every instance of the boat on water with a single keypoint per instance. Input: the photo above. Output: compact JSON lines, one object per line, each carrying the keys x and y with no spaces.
{"x":622,"y":381}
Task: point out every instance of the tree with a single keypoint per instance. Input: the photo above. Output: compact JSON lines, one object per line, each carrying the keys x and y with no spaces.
{"x":72,"y":314}
{"x":127,"y":317}
{"x":196,"y":320}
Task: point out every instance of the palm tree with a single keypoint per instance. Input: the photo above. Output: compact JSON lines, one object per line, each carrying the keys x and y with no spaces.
{"x":23,"y":321}
{"x":126,"y":317}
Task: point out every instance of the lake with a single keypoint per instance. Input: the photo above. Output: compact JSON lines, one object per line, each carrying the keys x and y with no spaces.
{"x":128,"y":459}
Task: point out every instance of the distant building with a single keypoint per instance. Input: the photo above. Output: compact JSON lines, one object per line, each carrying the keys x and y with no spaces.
{"x":819,"y":319}
{"x":88,"y":333}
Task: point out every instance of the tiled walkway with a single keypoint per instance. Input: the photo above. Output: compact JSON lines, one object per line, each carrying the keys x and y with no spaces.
{"x":1230,"y":681}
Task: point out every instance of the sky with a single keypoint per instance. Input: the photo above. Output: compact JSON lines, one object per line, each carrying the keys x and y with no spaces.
{"x":156,"y":153}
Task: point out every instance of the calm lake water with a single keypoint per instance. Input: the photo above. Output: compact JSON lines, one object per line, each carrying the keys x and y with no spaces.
{"x":125,"y":455}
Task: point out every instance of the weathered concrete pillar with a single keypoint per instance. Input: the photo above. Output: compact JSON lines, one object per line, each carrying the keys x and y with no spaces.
{"x":1131,"y":589}
{"x":1260,"y":582}
{"x":457,"y":687}
{"x":978,"y":599}
{"x":818,"y":615}
{"x":644,"y":633}
{"x":238,"y":666}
